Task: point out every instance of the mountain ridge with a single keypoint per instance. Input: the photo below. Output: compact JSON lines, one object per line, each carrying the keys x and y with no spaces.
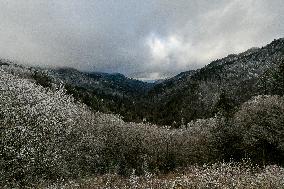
{"x":197,"y":94}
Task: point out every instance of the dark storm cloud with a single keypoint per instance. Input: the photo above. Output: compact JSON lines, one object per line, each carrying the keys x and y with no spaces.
{"x":145,"y":39}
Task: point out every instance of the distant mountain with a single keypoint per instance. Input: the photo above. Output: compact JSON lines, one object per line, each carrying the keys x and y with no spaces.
{"x":196,"y":94}
{"x":104,"y":92}
{"x":103,"y":83}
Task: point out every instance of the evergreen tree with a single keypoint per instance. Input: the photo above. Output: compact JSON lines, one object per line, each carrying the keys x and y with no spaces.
{"x":42,"y":79}
{"x":278,"y":85}
{"x":225,"y":105}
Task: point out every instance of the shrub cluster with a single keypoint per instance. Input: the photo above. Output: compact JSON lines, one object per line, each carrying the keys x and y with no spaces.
{"x":217,"y":176}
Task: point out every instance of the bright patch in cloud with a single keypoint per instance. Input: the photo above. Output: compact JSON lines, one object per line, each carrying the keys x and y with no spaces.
{"x":162,"y":48}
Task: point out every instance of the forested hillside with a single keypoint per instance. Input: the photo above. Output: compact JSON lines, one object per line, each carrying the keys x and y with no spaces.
{"x":226,"y":82}
{"x":108,"y":93}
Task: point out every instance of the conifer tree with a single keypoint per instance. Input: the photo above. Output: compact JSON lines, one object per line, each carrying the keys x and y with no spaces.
{"x":278,"y":86}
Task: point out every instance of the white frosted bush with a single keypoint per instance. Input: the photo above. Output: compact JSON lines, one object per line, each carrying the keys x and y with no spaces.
{"x":218,"y":176}
{"x":260,"y":122}
{"x":42,"y":131}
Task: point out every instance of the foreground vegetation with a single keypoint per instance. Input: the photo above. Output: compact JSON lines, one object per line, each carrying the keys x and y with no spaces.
{"x":221,"y":175}
{"x":47,"y":137}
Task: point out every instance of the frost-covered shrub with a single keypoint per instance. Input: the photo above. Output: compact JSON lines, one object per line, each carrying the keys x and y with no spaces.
{"x":260,"y":122}
{"x":44,"y":134}
{"x":17,"y":70}
{"x":148,"y":148}
{"x":217,"y":176}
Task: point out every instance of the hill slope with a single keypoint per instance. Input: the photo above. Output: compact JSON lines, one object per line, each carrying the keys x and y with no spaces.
{"x":103,"y":83}
{"x":196,"y":94}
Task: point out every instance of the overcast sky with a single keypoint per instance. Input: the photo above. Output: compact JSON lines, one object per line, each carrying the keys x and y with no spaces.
{"x":139,"y":38}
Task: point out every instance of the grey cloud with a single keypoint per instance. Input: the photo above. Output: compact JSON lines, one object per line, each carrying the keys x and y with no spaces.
{"x":147,"y":39}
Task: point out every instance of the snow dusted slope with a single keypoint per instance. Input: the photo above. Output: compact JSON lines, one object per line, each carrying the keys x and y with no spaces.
{"x":196,"y":95}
